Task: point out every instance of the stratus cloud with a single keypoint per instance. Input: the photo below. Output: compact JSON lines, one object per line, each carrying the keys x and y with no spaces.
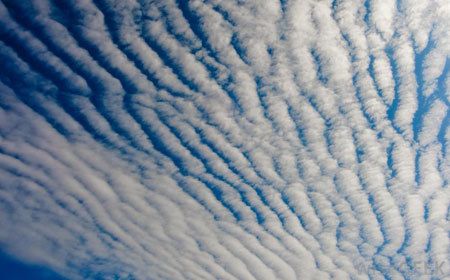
{"x":226,"y":140}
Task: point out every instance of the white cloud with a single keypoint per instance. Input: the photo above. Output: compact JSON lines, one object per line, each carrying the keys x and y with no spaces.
{"x":225,"y":140}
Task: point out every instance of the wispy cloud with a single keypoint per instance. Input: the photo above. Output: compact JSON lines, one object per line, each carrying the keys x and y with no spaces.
{"x":226,"y":139}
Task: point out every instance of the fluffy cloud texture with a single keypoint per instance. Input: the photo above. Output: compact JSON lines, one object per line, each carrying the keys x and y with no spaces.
{"x":229,"y":139}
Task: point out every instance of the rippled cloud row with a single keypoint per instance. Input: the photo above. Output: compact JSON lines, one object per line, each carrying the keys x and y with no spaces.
{"x":229,"y":139}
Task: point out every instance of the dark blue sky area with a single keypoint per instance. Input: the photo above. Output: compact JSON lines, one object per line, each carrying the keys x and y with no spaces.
{"x":12,"y":269}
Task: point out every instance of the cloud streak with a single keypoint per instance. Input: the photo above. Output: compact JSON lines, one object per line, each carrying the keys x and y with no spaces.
{"x":226,"y":140}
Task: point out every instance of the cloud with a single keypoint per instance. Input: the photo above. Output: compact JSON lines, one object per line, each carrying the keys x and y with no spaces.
{"x":225,"y":139}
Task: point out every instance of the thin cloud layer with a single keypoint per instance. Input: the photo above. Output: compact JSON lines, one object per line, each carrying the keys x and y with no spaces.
{"x":226,"y":139}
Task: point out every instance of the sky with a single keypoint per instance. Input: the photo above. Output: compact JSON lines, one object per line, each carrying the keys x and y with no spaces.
{"x":224,"y":139}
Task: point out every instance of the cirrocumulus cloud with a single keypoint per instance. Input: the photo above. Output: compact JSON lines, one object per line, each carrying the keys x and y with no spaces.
{"x":296,"y":139}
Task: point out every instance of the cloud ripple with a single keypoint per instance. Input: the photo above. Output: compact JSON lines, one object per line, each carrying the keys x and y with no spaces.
{"x":226,"y":139}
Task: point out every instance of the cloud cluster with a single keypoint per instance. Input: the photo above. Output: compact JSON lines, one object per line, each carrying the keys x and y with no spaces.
{"x":226,"y":139}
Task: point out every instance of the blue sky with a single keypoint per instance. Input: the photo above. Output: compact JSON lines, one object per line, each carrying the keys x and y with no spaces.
{"x":229,"y":139}
{"x":11,"y":268}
